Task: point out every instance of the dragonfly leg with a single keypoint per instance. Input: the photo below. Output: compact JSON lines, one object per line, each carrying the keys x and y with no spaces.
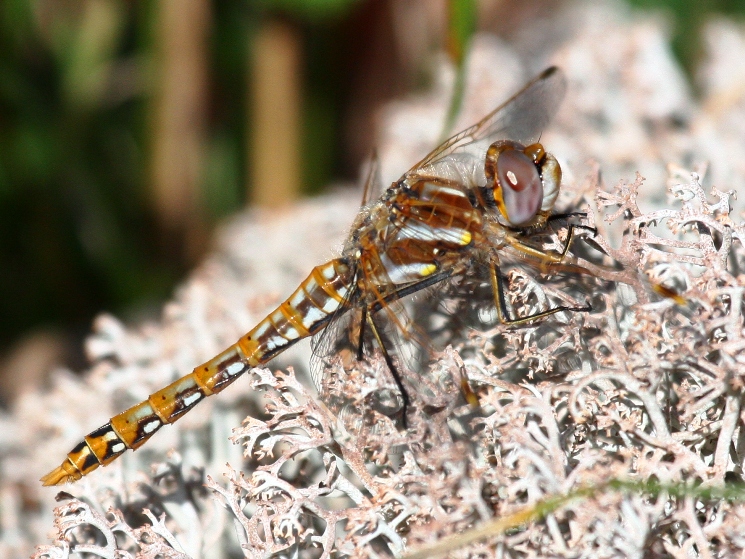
{"x":361,"y":344}
{"x":465,"y":387}
{"x":497,"y":282}
{"x":392,"y":368}
{"x":566,"y":215}
{"x":557,"y":217}
{"x":572,"y":235}
{"x":542,"y":255}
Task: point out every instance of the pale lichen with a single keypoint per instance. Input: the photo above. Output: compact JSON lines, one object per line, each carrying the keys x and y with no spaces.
{"x":648,"y":386}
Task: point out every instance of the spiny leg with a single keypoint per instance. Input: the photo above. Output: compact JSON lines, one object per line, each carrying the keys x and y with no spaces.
{"x":545,"y":257}
{"x":392,"y":368}
{"x":361,"y":344}
{"x":572,"y":235}
{"x":366,"y":319}
{"x":559,"y":266}
{"x":500,"y":302}
{"x":555,"y":257}
{"x":566,"y":215}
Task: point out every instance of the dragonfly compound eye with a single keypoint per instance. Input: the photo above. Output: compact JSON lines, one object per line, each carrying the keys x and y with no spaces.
{"x":522,"y":182}
{"x":515,"y":182}
{"x":522,"y":189}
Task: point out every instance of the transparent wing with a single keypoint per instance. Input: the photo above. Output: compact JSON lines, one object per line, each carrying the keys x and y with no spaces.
{"x":347,"y":386}
{"x":361,"y":392}
{"x":521,"y":118}
{"x":373,"y":187}
{"x":335,"y":339}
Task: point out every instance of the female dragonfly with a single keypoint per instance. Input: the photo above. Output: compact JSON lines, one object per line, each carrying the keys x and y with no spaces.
{"x":479,"y":196}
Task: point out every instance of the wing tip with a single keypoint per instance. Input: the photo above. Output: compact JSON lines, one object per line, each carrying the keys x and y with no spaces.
{"x":552,"y":73}
{"x":551,"y":70}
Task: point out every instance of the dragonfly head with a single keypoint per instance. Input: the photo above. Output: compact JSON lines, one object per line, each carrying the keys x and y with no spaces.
{"x":521,"y":181}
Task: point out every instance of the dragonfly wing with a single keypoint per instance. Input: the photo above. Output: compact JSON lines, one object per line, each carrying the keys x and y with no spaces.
{"x":343,"y":383}
{"x":407,"y":343}
{"x":373,"y":187}
{"x":411,"y":348}
{"x":359,"y":392}
{"x":333,"y":340}
{"x":521,"y":118}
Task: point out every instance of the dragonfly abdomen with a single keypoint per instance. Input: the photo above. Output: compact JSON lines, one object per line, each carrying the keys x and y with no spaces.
{"x":304,"y":313}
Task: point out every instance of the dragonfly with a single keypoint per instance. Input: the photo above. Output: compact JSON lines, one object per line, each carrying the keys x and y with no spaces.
{"x":483,"y":193}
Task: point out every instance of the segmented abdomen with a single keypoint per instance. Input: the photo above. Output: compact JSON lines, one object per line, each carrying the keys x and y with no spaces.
{"x":304,"y":313}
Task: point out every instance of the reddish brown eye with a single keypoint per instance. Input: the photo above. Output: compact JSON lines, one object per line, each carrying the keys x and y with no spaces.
{"x":522,"y":189}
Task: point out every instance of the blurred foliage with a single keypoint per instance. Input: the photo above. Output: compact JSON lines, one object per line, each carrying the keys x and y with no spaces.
{"x":462,"y":15}
{"x":77,"y":230}
{"x":687,"y":17}
{"x":78,"y":233}
{"x":317,"y":11}
{"x":74,"y":228}
{"x":462,"y":18}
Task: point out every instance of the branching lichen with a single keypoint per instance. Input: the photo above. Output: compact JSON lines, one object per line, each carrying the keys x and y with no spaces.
{"x":645,"y":390}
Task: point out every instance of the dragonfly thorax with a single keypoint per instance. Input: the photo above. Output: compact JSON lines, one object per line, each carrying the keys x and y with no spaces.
{"x":423,"y":225}
{"x":522,"y":182}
